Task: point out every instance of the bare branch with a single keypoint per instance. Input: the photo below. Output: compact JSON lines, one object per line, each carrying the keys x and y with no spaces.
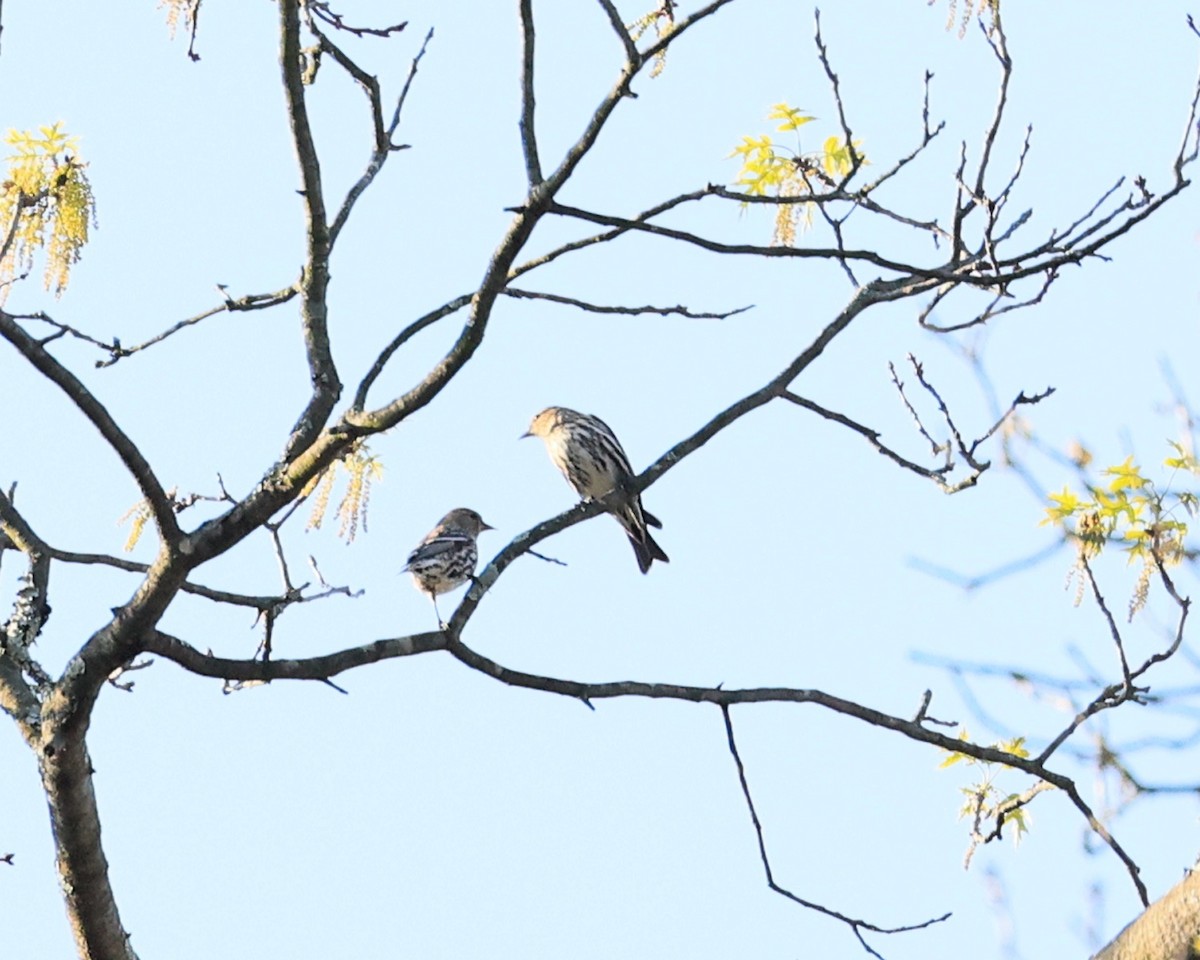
{"x":1116,"y":694}
{"x":320,"y":8}
{"x":253,"y":301}
{"x":445,"y":310}
{"x":17,"y":697}
{"x":538,"y":202}
{"x":1006,"y":808}
{"x":326,"y":387}
{"x":991,"y":310}
{"x":604,"y":237}
{"x":998,"y":42}
{"x":126,"y":686}
{"x":320,"y":668}
{"x":1102,"y":831}
{"x":385,"y":143}
{"x":715,"y":246}
{"x":959,"y":443}
{"x":394,"y":125}
{"x":33,"y":605}
{"x":681,"y":27}
{"x":1114,"y":632}
{"x":823,"y":55}
{"x":311,"y":668}
{"x":632,"y":56}
{"x":90,"y":407}
{"x":368,"y":83}
{"x":677,"y":310}
{"x":935,"y":447}
{"x":533,"y":165}
{"x":857,"y":926}
{"x":937,"y":476}
{"x":115,"y":349}
{"x":922,"y":714}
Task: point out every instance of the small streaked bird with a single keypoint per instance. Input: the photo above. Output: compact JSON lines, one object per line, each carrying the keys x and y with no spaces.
{"x":446,"y":558}
{"x":594,"y":463}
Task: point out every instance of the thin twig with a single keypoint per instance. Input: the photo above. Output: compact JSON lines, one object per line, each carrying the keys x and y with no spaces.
{"x":677,"y":310}
{"x":857,"y":926}
{"x":533,"y":164}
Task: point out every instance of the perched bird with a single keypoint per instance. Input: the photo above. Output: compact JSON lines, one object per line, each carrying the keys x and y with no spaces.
{"x":594,"y":463}
{"x":446,"y":558}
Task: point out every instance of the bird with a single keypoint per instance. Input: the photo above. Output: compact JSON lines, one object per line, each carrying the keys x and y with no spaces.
{"x":592,"y":459}
{"x":446,"y":558}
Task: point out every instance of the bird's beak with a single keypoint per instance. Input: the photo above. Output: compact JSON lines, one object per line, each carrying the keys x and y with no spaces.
{"x":524,"y":435}
{"x":485,"y":526}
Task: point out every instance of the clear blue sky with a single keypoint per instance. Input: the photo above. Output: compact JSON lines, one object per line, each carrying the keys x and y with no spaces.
{"x":434,"y":813}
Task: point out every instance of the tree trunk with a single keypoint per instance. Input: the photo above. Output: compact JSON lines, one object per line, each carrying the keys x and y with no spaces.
{"x":82,"y":867}
{"x":1168,"y":929}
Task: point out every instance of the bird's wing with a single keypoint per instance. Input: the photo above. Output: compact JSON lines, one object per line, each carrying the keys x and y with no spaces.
{"x":436,"y":547}
{"x":613,"y":445}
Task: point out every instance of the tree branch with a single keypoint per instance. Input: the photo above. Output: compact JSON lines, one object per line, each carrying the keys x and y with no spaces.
{"x":445,"y":310}
{"x":326,"y":387}
{"x":537,"y":204}
{"x":90,"y":407}
{"x":614,"y":20}
{"x":624,"y":311}
{"x":310,"y":668}
{"x":857,"y":926}
{"x":533,"y":164}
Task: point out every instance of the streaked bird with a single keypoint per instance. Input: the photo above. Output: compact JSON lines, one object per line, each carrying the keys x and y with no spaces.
{"x":589,"y":455}
{"x":446,"y":558}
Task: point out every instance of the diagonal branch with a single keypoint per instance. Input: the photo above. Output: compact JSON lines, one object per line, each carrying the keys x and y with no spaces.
{"x":445,"y":310}
{"x":937,"y":476}
{"x":90,"y":407}
{"x":320,"y":8}
{"x":252,"y":301}
{"x":538,"y":203}
{"x":383,"y":134}
{"x":614,"y":20}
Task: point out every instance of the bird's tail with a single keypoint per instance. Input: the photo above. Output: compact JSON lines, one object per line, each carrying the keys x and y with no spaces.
{"x":647,"y":551}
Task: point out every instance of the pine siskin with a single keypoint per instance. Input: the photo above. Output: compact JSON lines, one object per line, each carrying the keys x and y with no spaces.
{"x":446,"y":558}
{"x":594,"y":463}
